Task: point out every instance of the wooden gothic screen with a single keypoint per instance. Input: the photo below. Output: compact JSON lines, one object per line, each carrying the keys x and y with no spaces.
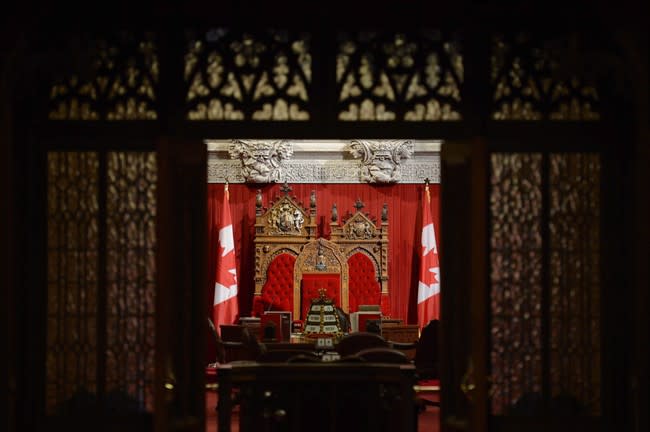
{"x":545,"y":206}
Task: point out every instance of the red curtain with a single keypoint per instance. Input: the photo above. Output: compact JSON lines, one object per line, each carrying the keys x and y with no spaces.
{"x":404,"y":219}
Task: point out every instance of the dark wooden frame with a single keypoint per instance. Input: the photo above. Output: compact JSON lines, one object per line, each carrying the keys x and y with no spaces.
{"x":30,"y":137}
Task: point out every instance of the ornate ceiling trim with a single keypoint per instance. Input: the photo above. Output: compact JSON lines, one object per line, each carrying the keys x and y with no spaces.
{"x":323,"y":161}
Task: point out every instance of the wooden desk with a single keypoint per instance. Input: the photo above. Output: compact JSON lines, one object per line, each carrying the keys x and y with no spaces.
{"x":403,"y":333}
{"x":254,"y":328}
{"x":318,"y":396}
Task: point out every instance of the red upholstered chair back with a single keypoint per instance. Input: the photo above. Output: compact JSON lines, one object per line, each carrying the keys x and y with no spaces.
{"x":311,"y":285}
{"x":277,"y":292}
{"x":364,"y":285}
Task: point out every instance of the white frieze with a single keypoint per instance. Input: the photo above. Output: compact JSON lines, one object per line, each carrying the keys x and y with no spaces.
{"x":323,"y":161}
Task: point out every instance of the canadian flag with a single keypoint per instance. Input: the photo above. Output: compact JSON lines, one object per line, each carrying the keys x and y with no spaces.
{"x":429,"y":280}
{"x":225,"y":308}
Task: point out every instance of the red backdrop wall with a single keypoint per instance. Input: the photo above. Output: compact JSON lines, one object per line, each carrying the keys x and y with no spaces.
{"x":404,"y":218}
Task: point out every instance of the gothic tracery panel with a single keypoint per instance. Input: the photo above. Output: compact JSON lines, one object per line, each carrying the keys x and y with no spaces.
{"x":131,"y":273}
{"x":260,"y":75}
{"x":72,"y":276}
{"x":545,"y":283}
{"x":528,"y":84}
{"x":398,"y":76}
{"x":101,"y":279}
{"x":516,"y":279}
{"x":119,"y":82}
{"x":575,"y":361}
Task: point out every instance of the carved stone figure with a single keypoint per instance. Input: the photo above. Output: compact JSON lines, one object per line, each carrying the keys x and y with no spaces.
{"x":261,"y":160}
{"x":380,"y":160}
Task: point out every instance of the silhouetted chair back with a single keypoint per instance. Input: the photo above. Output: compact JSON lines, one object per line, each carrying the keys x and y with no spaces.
{"x":427,"y":363}
{"x":352,"y":343}
{"x":219,"y":348}
{"x":383,"y":355}
{"x":235,"y":343}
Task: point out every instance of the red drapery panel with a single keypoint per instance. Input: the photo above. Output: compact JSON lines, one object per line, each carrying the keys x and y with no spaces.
{"x":404,"y":214}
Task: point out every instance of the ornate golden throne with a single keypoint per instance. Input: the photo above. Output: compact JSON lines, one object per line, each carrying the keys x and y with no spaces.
{"x":281,"y":231}
{"x":364,"y":243}
{"x":292,"y":265}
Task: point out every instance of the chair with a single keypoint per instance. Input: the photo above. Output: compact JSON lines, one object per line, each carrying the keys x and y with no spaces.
{"x":241,"y":346}
{"x":297,"y":264}
{"x":220,"y":352}
{"x":352,"y":343}
{"x":238,"y":343}
{"x":383,"y":355}
{"x":244,"y":350}
{"x":364,"y":241}
{"x":426,"y":361}
{"x":211,"y":369}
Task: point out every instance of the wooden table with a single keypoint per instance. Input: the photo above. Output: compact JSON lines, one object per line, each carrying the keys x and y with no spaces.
{"x":318,"y":396}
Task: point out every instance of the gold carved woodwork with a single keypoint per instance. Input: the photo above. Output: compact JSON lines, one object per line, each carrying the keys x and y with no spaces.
{"x":282,"y":228}
{"x":287,"y":227}
{"x":320,"y":256}
{"x":360,"y":234}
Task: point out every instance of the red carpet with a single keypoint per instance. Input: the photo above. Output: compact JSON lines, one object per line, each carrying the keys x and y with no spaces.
{"x":428,"y":421}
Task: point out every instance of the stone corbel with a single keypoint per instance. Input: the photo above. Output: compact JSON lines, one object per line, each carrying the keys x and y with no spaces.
{"x":261,"y":160}
{"x":380,"y":160}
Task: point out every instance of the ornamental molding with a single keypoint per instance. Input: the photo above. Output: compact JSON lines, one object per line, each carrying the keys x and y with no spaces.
{"x":323,"y":161}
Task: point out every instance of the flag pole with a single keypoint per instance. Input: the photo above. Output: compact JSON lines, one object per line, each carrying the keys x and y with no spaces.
{"x":426,"y":190}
